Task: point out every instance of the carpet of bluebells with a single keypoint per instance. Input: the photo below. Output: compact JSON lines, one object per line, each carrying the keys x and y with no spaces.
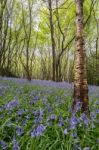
{"x":37,"y":115}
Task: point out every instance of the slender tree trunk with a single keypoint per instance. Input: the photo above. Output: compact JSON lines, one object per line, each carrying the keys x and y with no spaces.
{"x":58,"y":70}
{"x":52,"y":38}
{"x":1,"y":15}
{"x":3,"y":33}
{"x":80,"y":79}
{"x":97,"y":45}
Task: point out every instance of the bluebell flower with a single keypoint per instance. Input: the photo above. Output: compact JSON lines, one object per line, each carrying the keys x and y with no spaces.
{"x":78,"y":106}
{"x":61,"y":121}
{"x":41,"y":112}
{"x":38,"y":131}
{"x":97,"y":111}
{"x":38,"y":116}
{"x":19,"y":131}
{"x":48,"y":107}
{"x":38,"y":120}
{"x":53,"y":117}
{"x":24,"y":122}
{"x":34,"y":112}
{"x":20,"y":112}
{"x":12,"y":104}
{"x":93,"y":115}
{"x":37,"y":97}
{"x":74,"y":121}
{"x":32,"y":102}
{"x":27,"y":117}
{"x":44,"y":99}
{"x":74,"y":134}
{"x":3,"y":144}
{"x":85,"y":119}
{"x":16,"y":146}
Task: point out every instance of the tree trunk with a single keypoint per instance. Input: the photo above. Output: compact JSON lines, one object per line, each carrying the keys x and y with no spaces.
{"x":1,"y":15}
{"x":52,"y":38}
{"x":80,"y":79}
{"x":58,"y":70}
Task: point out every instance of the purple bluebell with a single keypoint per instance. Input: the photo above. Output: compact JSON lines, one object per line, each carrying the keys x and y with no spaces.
{"x":74,"y":134}
{"x":20,"y":112}
{"x":44,"y":99}
{"x":3,"y":145}
{"x":16,"y":146}
{"x":12,"y":104}
{"x":77,"y":106}
{"x":32,"y":102}
{"x":38,"y":131}
{"x":19,"y":131}
{"x":27,"y":116}
{"x":41,"y":111}
{"x":93,"y":115}
{"x":37,"y":97}
{"x":85,"y":119}
{"x":74,"y":121}
{"x":24,"y":122}
{"x":61,"y":121}
{"x":38,"y":116}
{"x":34,"y":112}
{"x":48,"y":107}
{"x":38,"y":119}
{"x":53,"y":117}
{"x":97,"y":111}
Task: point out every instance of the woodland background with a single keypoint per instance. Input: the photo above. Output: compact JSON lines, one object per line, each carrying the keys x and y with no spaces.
{"x":26,"y":44}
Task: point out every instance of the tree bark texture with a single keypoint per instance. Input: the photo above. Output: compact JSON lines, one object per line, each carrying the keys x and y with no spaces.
{"x":80,"y":77}
{"x":52,"y":38}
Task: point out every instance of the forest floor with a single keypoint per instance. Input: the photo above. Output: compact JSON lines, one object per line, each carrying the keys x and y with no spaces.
{"x":37,"y":115}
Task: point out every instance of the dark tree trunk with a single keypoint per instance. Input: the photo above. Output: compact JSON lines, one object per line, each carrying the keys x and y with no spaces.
{"x":2,"y":39}
{"x":1,"y":15}
{"x":58,"y":70}
{"x":52,"y":38}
